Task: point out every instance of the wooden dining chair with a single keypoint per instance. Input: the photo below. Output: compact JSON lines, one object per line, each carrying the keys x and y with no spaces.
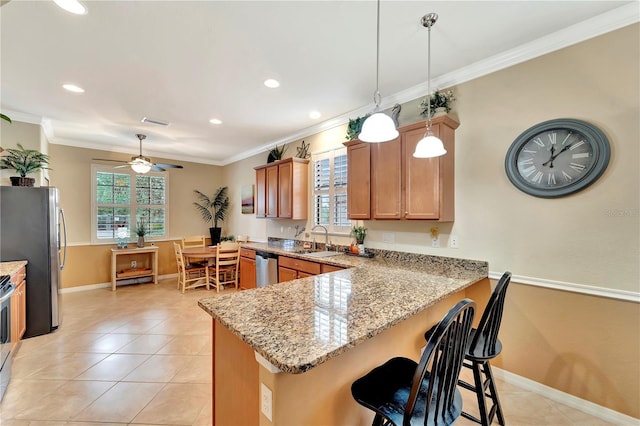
{"x":195,"y":241}
{"x":190,"y":276}
{"x":225,"y":270}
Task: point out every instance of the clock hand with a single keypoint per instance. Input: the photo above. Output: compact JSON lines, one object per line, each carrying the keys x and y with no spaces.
{"x":553,"y":157}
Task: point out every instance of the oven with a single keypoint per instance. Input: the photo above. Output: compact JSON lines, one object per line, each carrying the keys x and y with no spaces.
{"x":6,"y":290}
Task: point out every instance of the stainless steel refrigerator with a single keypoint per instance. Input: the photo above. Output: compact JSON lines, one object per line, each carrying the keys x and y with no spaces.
{"x":32,"y":228}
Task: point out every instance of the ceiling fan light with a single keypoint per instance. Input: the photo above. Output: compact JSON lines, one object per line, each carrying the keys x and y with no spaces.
{"x":72,"y":6}
{"x":429,"y":146}
{"x":379,"y":127}
{"x":140,"y":167}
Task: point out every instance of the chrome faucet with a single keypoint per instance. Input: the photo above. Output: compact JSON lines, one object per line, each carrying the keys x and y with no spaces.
{"x":326,"y":236}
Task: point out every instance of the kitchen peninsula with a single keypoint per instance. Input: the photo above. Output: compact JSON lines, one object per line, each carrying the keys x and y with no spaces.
{"x":304,"y":342}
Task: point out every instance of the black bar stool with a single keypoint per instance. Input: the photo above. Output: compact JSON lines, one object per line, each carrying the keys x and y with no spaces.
{"x":484,"y":346}
{"x":403,"y":392}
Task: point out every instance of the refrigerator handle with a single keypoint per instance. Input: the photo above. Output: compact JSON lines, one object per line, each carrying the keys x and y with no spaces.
{"x":64,"y":231}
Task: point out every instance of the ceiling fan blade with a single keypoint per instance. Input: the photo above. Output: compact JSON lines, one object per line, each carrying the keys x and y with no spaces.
{"x":169,"y":166}
{"x":113,"y":161}
{"x":157,"y":168}
{"x":121,"y":166}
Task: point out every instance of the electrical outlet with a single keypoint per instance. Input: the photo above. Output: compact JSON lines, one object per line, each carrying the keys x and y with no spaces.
{"x":453,"y":242}
{"x":435,"y":242}
{"x":266,"y":399}
{"x":134,"y":264}
{"x":435,"y":237}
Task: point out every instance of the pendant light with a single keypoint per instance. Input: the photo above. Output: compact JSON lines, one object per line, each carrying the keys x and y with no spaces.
{"x":429,"y":146}
{"x":378,"y":127}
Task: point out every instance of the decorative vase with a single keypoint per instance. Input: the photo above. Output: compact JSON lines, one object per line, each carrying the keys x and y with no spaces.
{"x":439,"y":112}
{"x":361,"y":248}
{"x":141,"y":241}
{"x":21,"y":181}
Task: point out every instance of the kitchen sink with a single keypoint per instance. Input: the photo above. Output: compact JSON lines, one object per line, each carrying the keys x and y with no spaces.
{"x":323,"y":253}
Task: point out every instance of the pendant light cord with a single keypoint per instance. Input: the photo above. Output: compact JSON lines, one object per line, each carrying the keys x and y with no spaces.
{"x":429,"y":75}
{"x":427,"y":21}
{"x":376,"y":95}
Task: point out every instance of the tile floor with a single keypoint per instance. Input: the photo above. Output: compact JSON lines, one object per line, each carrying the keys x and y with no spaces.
{"x":142,"y":356}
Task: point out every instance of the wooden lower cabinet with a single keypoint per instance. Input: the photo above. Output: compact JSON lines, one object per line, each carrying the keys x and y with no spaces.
{"x":324,"y":268}
{"x":18,"y":307}
{"x":290,"y":268}
{"x":247,"y":269}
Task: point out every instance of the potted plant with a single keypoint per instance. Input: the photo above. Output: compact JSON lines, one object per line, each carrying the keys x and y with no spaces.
{"x":213,"y":209}
{"x":440,"y":102}
{"x":23,"y":161}
{"x":359,"y":233}
{"x":4,"y":117}
{"x":354,"y":127}
{"x":276,"y":153}
{"x":142,"y":229}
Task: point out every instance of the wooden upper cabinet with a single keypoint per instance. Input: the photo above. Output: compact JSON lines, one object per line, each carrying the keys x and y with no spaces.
{"x":386,"y":177}
{"x":261,"y":192}
{"x":359,"y":180}
{"x":272,"y":192}
{"x":403,"y":187}
{"x":285,"y":189}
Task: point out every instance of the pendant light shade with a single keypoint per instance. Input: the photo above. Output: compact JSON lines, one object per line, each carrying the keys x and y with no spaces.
{"x":378,"y":127}
{"x":430,"y":145}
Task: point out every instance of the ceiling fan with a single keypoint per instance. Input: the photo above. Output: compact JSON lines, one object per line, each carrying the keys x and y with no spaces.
{"x":141,"y":164}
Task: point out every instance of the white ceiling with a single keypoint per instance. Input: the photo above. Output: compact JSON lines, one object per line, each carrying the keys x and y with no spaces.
{"x":186,"y":62}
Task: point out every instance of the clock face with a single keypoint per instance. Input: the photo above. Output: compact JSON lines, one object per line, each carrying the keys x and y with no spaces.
{"x":557,"y":158}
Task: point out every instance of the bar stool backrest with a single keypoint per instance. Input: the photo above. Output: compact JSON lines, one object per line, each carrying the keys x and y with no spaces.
{"x":442,"y":360}
{"x":485,"y":343}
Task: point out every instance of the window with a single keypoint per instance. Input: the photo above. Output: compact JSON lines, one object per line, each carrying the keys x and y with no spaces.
{"x":330,"y":191}
{"x":122,"y":199}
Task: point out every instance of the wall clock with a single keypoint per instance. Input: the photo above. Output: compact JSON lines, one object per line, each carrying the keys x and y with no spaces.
{"x":557,"y":158}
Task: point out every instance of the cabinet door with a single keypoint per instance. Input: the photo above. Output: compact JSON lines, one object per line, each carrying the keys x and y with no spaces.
{"x":386,"y":176}
{"x":247,"y":273}
{"x":304,"y":274}
{"x":261,"y":192}
{"x":421,"y":180}
{"x":285,"y":189}
{"x":359,"y":178}
{"x":286,"y":274}
{"x":324,"y":268}
{"x":272,"y":191}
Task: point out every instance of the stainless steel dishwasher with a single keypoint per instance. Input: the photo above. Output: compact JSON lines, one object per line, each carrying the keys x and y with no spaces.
{"x":266,"y":268}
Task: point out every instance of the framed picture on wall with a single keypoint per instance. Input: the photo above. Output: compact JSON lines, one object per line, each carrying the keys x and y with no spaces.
{"x":247,"y":199}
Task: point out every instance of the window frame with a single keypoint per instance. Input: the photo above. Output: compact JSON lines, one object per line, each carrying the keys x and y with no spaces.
{"x":331,"y":229}
{"x":133,"y":205}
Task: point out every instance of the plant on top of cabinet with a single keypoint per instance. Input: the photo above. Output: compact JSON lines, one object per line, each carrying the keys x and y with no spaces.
{"x":276,"y":153}
{"x":440,"y":100}
{"x":23,"y":161}
{"x":4,"y":117}
{"x":213,"y":209}
{"x":354,"y":127}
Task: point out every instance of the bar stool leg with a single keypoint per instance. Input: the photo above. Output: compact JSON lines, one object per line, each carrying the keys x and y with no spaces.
{"x":496,"y":409}
{"x":479,"y":388}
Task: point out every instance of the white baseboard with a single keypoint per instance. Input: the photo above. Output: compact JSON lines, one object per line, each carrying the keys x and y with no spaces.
{"x":585,"y":406}
{"x":105,"y":285}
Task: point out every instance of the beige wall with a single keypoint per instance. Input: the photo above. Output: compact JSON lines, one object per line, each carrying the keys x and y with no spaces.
{"x":30,"y":136}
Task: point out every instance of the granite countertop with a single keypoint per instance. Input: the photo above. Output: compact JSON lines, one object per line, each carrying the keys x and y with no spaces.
{"x":300,"y":324}
{"x":9,"y":268}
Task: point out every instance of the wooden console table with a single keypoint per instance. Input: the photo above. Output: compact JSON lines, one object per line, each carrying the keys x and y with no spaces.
{"x":138,"y":272}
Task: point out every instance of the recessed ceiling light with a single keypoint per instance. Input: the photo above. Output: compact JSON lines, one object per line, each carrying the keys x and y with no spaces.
{"x":271,"y":83}
{"x":215,"y":121}
{"x":73,"y":88}
{"x":73,"y":6}
{"x":314,"y":114}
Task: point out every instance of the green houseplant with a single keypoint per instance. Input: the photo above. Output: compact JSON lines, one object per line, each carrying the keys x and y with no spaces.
{"x":354,"y":127}
{"x":276,"y":153}
{"x":439,"y":99}
{"x":23,"y":161}
{"x":141,"y":230}
{"x":359,"y":233}
{"x":213,"y":209}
